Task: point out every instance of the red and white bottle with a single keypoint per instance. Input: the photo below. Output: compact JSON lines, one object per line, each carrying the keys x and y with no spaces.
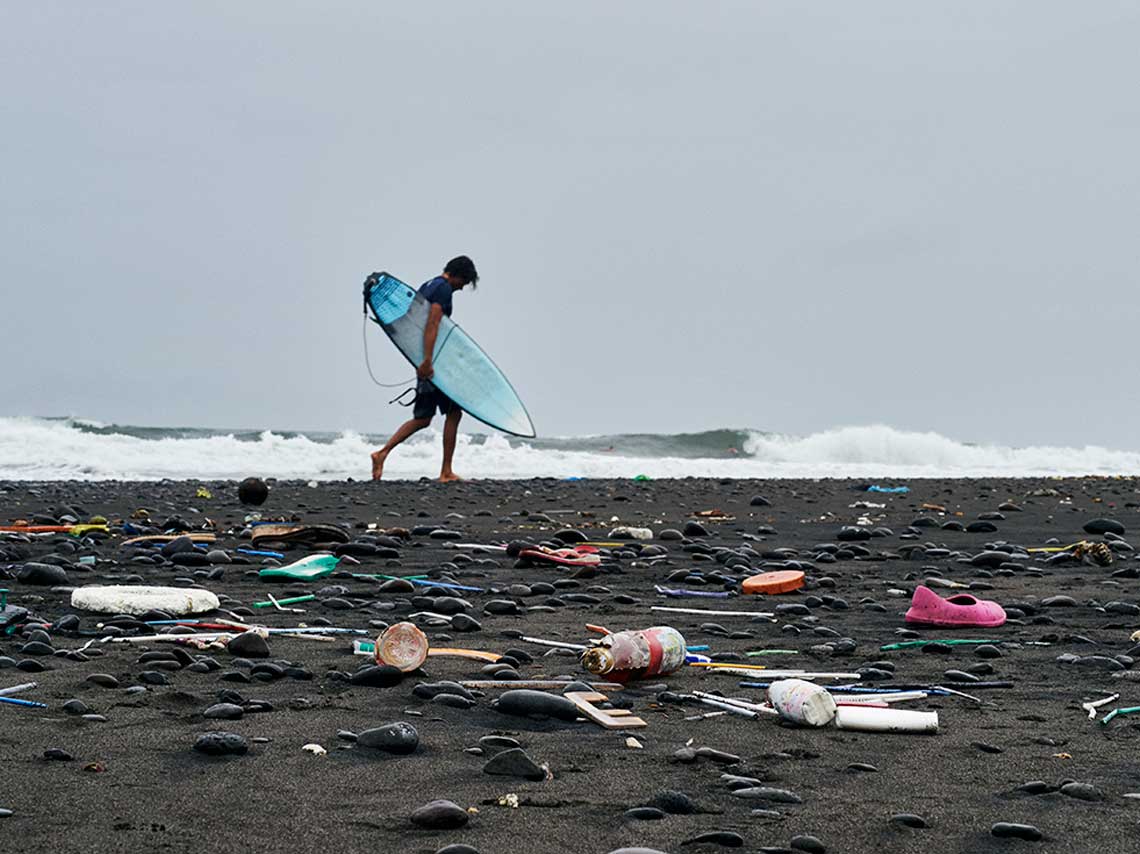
{"x":622,"y":656}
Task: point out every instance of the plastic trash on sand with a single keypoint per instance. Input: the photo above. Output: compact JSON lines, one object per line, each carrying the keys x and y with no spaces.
{"x":403,"y":646}
{"x":802,"y":702}
{"x":622,"y":656}
{"x":870,"y":719}
{"x":138,"y":599}
{"x":627,"y":532}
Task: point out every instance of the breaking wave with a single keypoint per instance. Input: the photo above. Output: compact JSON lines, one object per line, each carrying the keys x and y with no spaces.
{"x":78,"y":449}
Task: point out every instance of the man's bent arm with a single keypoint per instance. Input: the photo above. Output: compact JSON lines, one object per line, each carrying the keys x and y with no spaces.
{"x":431,"y":330}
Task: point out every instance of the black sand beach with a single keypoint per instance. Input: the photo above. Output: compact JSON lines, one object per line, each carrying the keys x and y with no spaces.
{"x":134,"y":782}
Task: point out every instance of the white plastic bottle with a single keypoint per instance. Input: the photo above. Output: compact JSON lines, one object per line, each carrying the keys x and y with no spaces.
{"x":802,"y":702}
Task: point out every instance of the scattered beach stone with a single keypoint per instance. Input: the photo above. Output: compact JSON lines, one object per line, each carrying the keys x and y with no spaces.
{"x":457,"y":848}
{"x":57,"y":754}
{"x":694,"y":529}
{"x":498,"y":742}
{"x":464,"y":623}
{"x":428,"y":690}
{"x":907,"y":819}
{"x":986,"y":748}
{"x":221,"y":744}
{"x":673,"y":802}
{"x":1104,"y":526}
{"x":249,"y":645}
{"x":1036,"y":787}
{"x":538,"y":704}
{"x":811,"y":844}
{"x":1010,"y":830}
{"x":514,"y":762}
{"x":440,"y":815}
{"x":224,"y":711}
{"x":724,"y":838}
{"x":399,"y":737}
{"x":42,"y":574}
{"x":1082,"y":791}
{"x":769,"y":793}
{"x":454,"y":701}
{"x":75,"y":707}
{"x":644,"y":814}
{"x":377,"y":676}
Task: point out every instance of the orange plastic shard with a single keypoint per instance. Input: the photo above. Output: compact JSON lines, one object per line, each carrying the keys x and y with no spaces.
{"x":476,"y":654}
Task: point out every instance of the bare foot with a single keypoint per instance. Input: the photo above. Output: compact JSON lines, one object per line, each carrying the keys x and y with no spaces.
{"x":449,"y":477}
{"x":378,"y":458}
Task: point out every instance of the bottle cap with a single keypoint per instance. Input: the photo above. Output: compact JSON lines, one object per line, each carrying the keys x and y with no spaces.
{"x":598,"y":660}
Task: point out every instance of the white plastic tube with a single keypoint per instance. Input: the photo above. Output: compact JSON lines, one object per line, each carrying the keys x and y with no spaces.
{"x":871,"y":719}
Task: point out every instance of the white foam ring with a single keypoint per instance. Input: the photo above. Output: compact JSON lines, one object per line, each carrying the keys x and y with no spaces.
{"x":38,"y":449}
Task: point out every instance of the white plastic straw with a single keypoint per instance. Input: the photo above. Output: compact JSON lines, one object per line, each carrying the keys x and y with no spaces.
{"x":767,"y":614}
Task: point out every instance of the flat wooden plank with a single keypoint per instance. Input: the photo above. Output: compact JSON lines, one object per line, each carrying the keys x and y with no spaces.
{"x":609,"y":719}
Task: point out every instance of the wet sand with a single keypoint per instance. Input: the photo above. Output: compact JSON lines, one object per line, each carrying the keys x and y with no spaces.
{"x":135,"y":783}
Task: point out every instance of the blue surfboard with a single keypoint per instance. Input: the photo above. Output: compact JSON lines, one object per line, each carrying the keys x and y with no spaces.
{"x":462,"y":370}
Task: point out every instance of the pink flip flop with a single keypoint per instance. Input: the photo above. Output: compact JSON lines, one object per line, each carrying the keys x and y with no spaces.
{"x":928,"y":608}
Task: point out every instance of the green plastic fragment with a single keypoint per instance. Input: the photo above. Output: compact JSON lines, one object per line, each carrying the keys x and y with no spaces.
{"x":291,"y":601}
{"x":313,"y":566}
{"x":948,"y":642}
{"x":773,"y":652}
{"x":1130,"y":710}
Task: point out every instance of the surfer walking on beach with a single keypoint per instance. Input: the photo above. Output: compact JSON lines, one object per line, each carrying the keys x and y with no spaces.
{"x":457,"y":274}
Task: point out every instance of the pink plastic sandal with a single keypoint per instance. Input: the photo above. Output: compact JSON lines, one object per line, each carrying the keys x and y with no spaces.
{"x":928,"y":608}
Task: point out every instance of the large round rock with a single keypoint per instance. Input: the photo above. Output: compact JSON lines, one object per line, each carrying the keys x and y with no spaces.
{"x":253,"y":490}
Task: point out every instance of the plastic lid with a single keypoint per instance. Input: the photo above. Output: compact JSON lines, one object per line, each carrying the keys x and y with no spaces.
{"x":783,"y":581}
{"x":402,"y":645}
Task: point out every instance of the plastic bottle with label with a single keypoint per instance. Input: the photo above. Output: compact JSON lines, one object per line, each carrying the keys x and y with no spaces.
{"x":622,"y":656}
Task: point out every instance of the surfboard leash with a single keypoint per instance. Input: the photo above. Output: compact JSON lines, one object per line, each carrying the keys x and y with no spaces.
{"x":368,"y":361}
{"x":368,"y":284}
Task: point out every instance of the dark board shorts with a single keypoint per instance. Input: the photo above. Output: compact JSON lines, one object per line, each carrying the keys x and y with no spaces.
{"x":429,"y":399}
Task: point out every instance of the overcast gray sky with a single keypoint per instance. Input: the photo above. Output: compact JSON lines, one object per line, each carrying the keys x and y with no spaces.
{"x":781,"y":215}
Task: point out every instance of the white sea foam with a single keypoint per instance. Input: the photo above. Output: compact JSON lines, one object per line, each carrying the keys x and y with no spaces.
{"x":39,"y":449}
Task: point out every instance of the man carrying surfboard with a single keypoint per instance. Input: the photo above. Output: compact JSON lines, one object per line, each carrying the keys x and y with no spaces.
{"x":457,"y":274}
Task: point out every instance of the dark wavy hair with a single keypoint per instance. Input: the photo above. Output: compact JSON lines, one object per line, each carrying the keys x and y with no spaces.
{"x":464,"y":268}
